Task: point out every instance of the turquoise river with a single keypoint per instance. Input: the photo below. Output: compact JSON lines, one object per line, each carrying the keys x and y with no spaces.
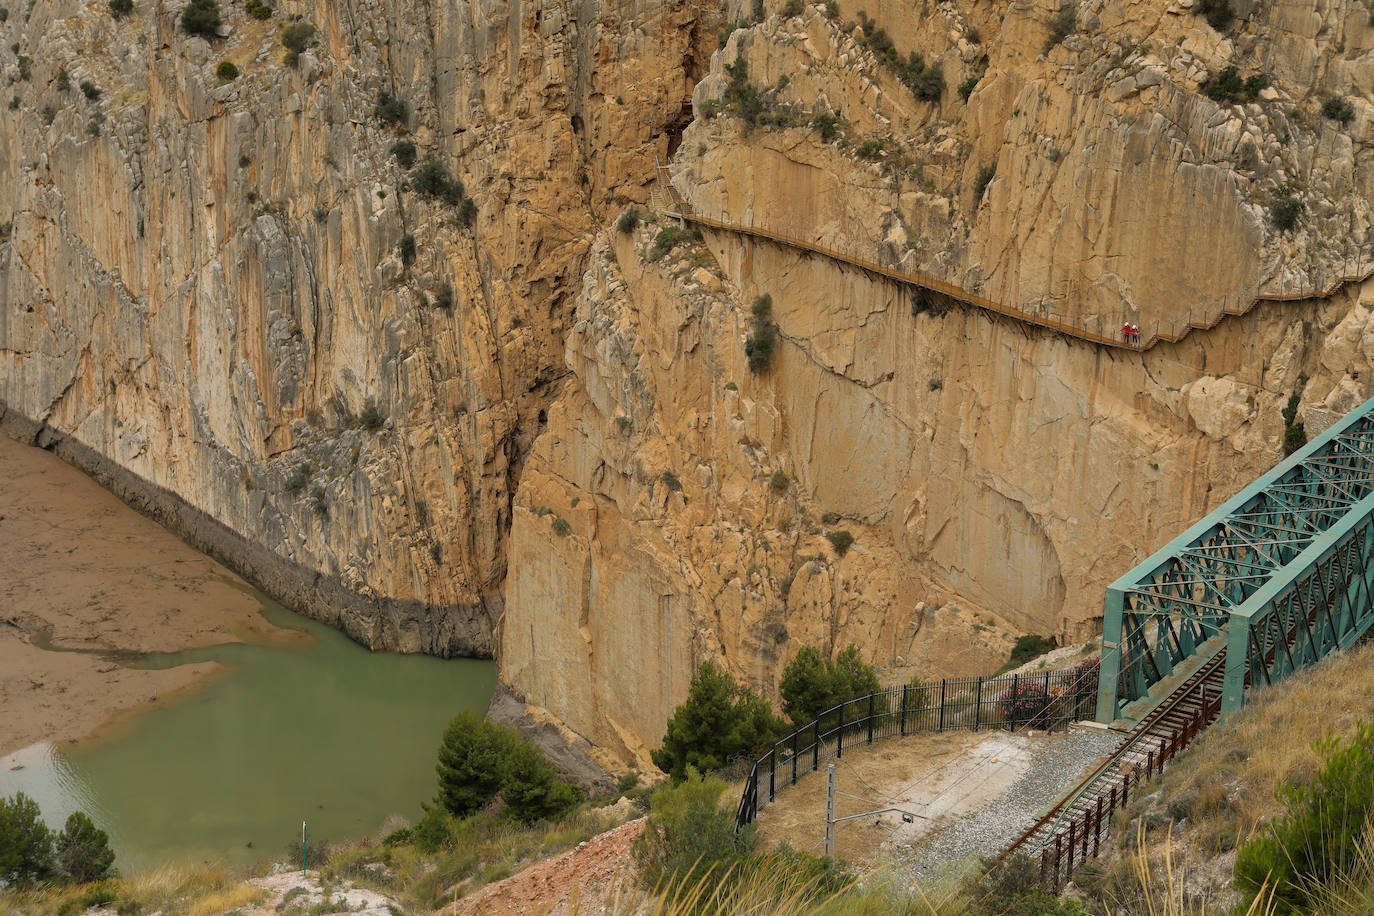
{"x":323,"y":731}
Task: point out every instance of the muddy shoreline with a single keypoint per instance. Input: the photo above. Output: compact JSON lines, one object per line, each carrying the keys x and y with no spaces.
{"x":309,"y":592}
{"x":85,"y":582}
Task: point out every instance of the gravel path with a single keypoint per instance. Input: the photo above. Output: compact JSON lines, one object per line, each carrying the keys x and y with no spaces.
{"x":1054,"y":766}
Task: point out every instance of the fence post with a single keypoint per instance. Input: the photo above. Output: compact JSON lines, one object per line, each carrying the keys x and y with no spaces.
{"x":1058,"y":856}
{"x":816,"y":746}
{"x":1073,"y":841}
{"x":903,"y":728}
{"x":942,"y":704}
{"x":978,"y":706}
{"x":871,"y":698}
{"x":794,"y":756}
{"x":1015,"y":679}
{"x":773,"y":773}
{"x":1097,"y":828}
{"x":1149,"y":764}
{"x":839,"y":740}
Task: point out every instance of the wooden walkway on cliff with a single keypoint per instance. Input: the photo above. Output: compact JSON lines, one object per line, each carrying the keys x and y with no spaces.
{"x":1172,"y":331}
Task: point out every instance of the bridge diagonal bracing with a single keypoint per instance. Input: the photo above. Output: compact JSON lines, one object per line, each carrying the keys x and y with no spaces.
{"x":1284,"y":571}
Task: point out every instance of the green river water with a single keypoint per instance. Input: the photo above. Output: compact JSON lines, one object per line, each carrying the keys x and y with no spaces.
{"x":326,"y":732}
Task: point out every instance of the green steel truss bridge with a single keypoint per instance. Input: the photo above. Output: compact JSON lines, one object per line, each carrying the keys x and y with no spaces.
{"x":1273,"y":580}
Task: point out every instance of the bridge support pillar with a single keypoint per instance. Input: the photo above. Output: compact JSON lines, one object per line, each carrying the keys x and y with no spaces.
{"x":1109,"y":670}
{"x":1237,"y":659}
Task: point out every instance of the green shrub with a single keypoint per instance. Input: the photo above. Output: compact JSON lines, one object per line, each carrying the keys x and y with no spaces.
{"x":792,"y":8}
{"x":826,"y":124}
{"x":760,"y":345}
{"x":26,"y":854}
{"x":1284,"y":212}
{"x":1029,"y":647}
{"x":1227,"y":86}
{"x":1217,"y":12}
{"x":90,"y":90}
{"x":83,"y":850}
{"x":479,"y":760}
{"x":628,"y":222}
{"x":471,"y":760}
{"x":669,"y":237}
{"x":372,"y":416}
{"x":529,"y":789}
{"x":832,"y":9}
{"x":391,"y":109}
{"x":1318,"y":837}
{"x":443,"y":296}
{"x":1064,"y":24}
{"x":689,"y":837}
{"x":25,"y":62}
{"x":968,"y":85}
{"x":433,"y":833}
{"x":296,"y":37}
{"x":1294,"y":438}
{"x":432,"y":180}
{"x":627,"y":783}
{"x":779,"y":481}
{"x":719,"y":720}
{"x":406,"y":249}
{"x":404,"y":151}
{"x":467,"y":212}
{"x":561,"y":527}
{"x":841,"y":541}
{"x":1338,"y":108}
{"x":64,"y":82}
{"x":1014,"y":888}
{"x":227,"y":71}
{"x":812,"y":683}
{"x":201,"y":17}
{"x":121,"y":8}
{"x":927,"y":83}
{"x":298,"y":479}
{"x":258,"y":10}
{"x":981,"y":182}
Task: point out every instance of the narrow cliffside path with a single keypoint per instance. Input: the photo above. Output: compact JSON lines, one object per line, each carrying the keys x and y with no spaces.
{"x":1098,"y":332}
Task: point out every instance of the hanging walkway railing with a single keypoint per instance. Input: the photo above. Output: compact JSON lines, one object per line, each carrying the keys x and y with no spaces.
{"x":1048,"y":700}
{"x":1096,"y":330}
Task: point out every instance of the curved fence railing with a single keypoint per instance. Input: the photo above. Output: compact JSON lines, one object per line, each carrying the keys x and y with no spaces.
{"x":1106,"y":332}
{"x":1012,"y":701}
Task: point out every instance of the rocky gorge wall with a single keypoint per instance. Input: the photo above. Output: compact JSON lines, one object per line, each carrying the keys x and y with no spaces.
{"x":203,"y":281}
{"x":542,"y":439}
{"x":995,"y":477}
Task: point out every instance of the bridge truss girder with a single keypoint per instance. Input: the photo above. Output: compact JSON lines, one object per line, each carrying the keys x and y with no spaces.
{"x":1282,"y":568}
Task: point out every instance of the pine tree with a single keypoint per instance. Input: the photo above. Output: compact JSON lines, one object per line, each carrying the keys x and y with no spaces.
{"x":719,"y":720}
{"x":472,"y":761}
{"x":83,"y":850}
{"x":25,"y":842}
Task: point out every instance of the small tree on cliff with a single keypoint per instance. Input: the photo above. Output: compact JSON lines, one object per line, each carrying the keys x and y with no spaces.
{"x":812,"y":683}
{"x":719,"y":720}
{"x":25,"y":843}
{"x":83,"y":850}
{"x":479,"y":760}
{"x":472,"y":763}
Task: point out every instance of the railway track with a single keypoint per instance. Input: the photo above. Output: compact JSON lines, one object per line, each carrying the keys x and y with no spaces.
{"x":1071,"y":831}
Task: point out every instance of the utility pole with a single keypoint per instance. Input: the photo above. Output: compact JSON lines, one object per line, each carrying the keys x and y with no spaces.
{"x":831,"y":820}
{"x":830,"y":811}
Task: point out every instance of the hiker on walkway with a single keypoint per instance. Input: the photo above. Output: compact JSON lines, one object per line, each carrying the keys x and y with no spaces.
{"x":1126,"y":332}
{"x":1135,"y":334}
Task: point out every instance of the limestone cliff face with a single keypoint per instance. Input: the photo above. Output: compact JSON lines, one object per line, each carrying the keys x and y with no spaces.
{"x":201,"y":280}
{"x":994,"y":477}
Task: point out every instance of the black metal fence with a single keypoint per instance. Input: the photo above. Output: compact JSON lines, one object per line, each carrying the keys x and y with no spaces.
{"x":1011,"y":701}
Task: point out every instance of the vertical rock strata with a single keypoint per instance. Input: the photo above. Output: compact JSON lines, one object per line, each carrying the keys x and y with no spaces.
{"x":988,"y":472}
{"x":202,"y":281}
{"x":535,"y":435}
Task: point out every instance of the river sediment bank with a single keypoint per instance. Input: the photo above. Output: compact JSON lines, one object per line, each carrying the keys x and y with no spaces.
{"x":85,"y":576}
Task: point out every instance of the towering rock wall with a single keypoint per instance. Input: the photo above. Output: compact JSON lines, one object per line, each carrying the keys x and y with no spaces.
{"x":995,"y":477}
{"x":202,"y":280}
{"x":542,"y":438}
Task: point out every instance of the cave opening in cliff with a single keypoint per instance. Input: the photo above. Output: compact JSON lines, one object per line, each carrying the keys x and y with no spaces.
{"x":676,"y":125}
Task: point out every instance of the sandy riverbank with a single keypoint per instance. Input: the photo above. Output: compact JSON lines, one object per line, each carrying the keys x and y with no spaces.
{"x":84,"y":571}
